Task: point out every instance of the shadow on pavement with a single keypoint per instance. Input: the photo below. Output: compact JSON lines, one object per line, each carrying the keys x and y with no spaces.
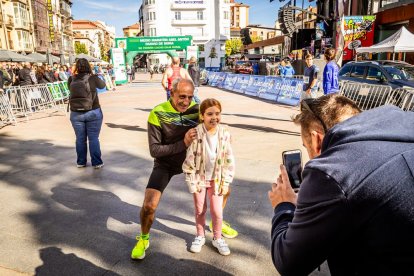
{"x":126,"y":127}
{"x":77,"y":210}
{"x":264,"y":129}
{"x":55,"y":262}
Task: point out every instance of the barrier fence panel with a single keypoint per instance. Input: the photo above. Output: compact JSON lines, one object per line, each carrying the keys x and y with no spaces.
{"x":6,"y":114}
{"x":403,"y":98}
{"x":366,"y":96}
{"x":18,"y":102}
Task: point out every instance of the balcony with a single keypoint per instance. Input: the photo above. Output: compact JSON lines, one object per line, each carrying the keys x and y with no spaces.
{"x":188,"y":21}
{"x":189,"y":5}
{"x":196,"y":36}
{"x":9,"y":21}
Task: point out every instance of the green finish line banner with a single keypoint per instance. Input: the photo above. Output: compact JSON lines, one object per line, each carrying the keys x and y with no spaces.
{"x":154,"y":44}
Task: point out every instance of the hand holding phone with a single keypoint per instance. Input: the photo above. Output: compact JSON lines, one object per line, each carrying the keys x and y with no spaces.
{"x":292,"y":159}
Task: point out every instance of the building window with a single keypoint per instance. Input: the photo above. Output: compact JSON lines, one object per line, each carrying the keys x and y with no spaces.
{"x":151,"y":16}
{"x":177,"y":15}
{"x":201,"y":47}
{"x":226,"y":31}
{"x":21,"y":17}
{"x":199,"y":15}
{"x":153,"y":32}
{"x":24,"y":39}
{"x":149,"y":2}
{"x":226,"y":15}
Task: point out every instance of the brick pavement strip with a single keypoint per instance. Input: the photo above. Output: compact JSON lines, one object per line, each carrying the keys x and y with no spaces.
{"x":60,"y":220}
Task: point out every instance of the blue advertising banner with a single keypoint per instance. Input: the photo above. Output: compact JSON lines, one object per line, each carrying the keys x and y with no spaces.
{"x":271,"y":88}
{"x":290,"y":91}
{"x":212,"y":78}
{"x":241,"y":83}
{"x":230,"y":81}
{"x":256,"y":82}
{"x":221,"y":76}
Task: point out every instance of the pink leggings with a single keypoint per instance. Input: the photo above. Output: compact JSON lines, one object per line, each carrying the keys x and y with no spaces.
{"x":216,"y":210}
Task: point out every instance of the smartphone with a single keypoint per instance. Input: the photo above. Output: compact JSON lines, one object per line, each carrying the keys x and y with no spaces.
{"x":292,"y":159}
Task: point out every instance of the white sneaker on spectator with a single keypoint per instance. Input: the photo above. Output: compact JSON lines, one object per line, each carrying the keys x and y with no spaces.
{"x":222,"y":247}
{"x":99,"y":166}
{"x":197,"y":244}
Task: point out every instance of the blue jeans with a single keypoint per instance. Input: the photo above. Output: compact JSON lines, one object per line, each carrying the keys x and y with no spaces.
{"x":87,"y":125}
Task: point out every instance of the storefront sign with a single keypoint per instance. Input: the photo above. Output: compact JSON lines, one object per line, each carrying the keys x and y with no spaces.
{"x":156,"y":44}
{"x":358,"y":31}
{"x":51,"y":26}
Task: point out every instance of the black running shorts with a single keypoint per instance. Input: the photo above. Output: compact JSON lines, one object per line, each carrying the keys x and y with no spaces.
{"x":160,"y":177}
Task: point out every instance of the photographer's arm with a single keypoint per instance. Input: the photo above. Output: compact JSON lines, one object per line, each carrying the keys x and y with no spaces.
{"x":306,"y":234}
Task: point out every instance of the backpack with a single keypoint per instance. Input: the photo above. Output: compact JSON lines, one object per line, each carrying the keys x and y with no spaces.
{"x":80,"y":98}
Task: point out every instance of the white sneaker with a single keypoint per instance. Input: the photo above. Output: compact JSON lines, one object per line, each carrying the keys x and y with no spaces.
{"x":80,"y":166}
{"x":197,"y":244}
{"x":222,"y":247}
{"x":98,"y":166}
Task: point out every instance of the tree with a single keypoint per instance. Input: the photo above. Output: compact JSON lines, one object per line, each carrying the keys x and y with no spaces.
{"x":104,"y":52}
{"x":256,"y":38}
{"x":80,"y":48}
{"x":213,"y":54}
{"x":233,"y":46}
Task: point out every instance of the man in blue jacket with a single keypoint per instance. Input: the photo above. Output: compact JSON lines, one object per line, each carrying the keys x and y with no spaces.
{"x":355,"y":205}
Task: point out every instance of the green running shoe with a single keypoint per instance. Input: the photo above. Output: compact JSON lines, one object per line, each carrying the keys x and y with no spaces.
{"x":138,"y":253}
{"x":226,"y":230}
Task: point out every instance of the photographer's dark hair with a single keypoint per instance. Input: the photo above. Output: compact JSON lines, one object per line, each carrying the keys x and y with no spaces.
{"x":83,"y":66}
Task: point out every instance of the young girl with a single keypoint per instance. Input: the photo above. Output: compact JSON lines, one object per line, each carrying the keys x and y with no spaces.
{"x":209,"y":170}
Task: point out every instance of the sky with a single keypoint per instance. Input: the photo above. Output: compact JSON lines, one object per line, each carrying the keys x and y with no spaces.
{"x":125,"y":12}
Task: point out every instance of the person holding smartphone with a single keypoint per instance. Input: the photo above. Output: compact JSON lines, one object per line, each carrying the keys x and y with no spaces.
{"x":354,"y":208}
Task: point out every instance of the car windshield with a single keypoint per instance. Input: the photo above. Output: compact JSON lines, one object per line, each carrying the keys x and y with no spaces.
{"x":401,"y":72}
{"x":242,"y":62}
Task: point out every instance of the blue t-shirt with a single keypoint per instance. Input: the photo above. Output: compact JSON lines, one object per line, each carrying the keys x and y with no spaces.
{"x":309,"y":75}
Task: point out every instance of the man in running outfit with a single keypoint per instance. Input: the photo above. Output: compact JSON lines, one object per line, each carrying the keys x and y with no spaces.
{"x":172,"y":73}
{"x":170,"y":131}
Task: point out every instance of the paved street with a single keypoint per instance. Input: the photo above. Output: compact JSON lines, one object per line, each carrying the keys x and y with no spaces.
{"x":61,"y":220}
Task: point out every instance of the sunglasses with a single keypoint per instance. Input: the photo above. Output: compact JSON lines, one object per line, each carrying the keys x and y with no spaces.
{"x":304,"y":105}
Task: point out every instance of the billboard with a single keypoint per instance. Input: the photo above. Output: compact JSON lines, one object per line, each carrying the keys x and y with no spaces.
{"x":154,"y":44}
{"x":358,"y":31}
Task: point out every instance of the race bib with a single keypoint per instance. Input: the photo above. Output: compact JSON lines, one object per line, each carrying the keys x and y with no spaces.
{"x":305,"y":79}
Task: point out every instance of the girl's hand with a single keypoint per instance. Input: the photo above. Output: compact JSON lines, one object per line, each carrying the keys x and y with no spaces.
{"x":223,"y":190}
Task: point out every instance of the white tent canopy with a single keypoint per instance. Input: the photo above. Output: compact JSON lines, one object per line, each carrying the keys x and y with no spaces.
{"x":400,"y":42}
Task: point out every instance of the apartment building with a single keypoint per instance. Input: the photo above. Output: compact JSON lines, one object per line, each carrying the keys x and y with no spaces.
{"x":103,"y":36}
{"x":305,"y":20}
{"x":239,"y":18}
{"x":133,"y":30}
{"x":16,"y":26}
{"x":207,"y":21}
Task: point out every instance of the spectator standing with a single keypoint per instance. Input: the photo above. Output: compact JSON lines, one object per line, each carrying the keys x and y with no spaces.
{"x":49,"y":75}
{"x":41,"y":75}
{"x":255,"y":68}
{"x":24,"y":75}
{"x":310,"y":79}
{"x":288,"y":70}
{"x":62,"y":74}
{"x":355,"y":203}
{"x":86,"y":120}
{"x":129,"y":73}
{"x":3,"y":79}
{"x":194,"y":72}
{"x":330,"y":73}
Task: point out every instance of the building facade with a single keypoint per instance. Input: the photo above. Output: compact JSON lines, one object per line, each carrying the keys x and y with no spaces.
{"x":239,"y":18}
{"x":103,"y":36}
{"x":305,"y":20}
{"x":133,"y":30}
{"x":17,"y":30}
{"x":207,"y":21}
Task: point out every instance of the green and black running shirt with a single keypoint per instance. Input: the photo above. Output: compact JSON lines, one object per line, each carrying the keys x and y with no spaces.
{"x":166,"y":130}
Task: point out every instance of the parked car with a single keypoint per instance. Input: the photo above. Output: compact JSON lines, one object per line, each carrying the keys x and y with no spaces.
{"x":395,"y":74}
{"x":243,"y":67}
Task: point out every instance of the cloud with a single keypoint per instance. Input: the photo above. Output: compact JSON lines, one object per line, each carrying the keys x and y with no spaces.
{"x":99,"y":5}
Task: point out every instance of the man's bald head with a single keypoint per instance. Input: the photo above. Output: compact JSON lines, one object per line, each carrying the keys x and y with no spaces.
{"x":175,"y":60}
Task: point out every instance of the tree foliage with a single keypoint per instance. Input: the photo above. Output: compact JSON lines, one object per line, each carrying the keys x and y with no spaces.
{"x":233,"y":46}
{"x":255,"y":38}
{"x":80,"y":48}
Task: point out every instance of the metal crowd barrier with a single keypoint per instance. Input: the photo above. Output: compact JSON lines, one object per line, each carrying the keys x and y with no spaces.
{"x":6,"y":114}
{"x":366,"y":96}
{"x":403,"y":98}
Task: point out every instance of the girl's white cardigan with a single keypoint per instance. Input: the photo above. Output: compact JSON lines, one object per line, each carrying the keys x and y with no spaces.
{"x":194,"y":164}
